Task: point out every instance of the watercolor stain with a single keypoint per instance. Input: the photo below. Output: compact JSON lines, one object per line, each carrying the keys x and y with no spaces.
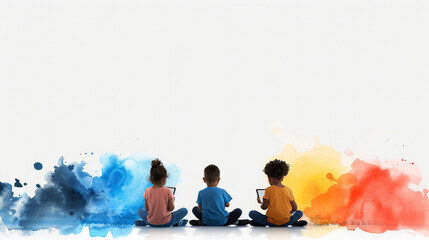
{"x":308,"y":170}
{"x":72,"y":198}
{"x":374,"y":199}
{"x":372,"y":195}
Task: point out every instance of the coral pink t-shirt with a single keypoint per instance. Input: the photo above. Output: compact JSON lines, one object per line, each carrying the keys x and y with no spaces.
{"x":157,"y":201}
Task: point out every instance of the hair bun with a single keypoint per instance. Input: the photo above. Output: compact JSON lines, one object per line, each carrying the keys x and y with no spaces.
{"x":156,"y":163}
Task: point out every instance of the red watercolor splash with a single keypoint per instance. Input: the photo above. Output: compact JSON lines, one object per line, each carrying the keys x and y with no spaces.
{"x":373,"y":199}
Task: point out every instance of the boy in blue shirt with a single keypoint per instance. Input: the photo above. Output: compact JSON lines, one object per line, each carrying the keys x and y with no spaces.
{"x":212,"y":202}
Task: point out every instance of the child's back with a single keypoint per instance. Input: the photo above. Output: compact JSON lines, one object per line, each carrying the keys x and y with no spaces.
{"x":279,"y":207}
{"x":278,"y":200}
{"x":213,"y":201}
{"x":157,"y":200}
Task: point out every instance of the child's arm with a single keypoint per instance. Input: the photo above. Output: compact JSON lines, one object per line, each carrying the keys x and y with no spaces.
{"x":294,"y":206}
{"x":146,"y":207}
{"x":170,"y":205}
{"x":264,"y":204}
{"x":226,"y":198}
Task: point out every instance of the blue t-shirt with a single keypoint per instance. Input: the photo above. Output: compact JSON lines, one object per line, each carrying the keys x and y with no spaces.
{"x":213,"y":200}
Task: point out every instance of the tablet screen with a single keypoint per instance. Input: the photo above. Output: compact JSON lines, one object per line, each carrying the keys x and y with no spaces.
{"x":173,"y":189}
{"x":260,"y":193}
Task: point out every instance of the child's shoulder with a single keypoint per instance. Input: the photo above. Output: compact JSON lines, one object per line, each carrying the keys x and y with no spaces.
{"x":212,"y":189}
{"x":157,"y":189}
{"x":276,"y":188}
{"x":286,"y":188}
{"x":271,"y":188}
{"x":218,"y":189}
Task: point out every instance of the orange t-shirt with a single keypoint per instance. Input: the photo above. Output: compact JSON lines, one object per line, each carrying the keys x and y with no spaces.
{"x":279,"y":206}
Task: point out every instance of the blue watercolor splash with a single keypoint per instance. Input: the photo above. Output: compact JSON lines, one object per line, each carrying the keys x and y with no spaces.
{"x":38,"y":166}
{"x":72,"y":198}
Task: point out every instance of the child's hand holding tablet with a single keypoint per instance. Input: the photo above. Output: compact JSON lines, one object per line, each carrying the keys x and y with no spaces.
{"x":260,"y":193}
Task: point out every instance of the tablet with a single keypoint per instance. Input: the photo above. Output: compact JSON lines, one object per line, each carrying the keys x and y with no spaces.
{"x":260,"y":193}
{"x":173,"y":189}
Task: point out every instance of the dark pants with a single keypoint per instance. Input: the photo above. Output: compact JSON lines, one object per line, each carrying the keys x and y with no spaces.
{"x":232,"y":218}
{"x":262,"y":219}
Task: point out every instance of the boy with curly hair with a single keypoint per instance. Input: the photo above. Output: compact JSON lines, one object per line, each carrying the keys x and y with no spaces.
{"x":278,"y":200}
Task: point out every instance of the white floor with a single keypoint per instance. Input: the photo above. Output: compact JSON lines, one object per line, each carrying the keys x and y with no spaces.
{"x":207,"y":233}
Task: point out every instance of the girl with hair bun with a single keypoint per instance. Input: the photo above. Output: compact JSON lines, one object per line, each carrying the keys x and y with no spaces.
{"x":159,"y":201}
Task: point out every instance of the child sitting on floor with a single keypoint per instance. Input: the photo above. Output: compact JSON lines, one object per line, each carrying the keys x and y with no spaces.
{"x":212,"y":202}
{"x":278,"y":199}
{"x":159,"y":202}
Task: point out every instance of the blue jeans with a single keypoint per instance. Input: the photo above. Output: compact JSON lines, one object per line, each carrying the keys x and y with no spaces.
{"x":176,"y":216}
{"x":262,"y":219}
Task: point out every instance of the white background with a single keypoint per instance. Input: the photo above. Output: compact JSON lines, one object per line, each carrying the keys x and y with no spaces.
{"x":200,"y":82}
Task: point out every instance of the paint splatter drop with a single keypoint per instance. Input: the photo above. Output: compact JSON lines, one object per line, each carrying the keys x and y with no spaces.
{"x":307,"y":177}
{"x":38,"y":166}
{"x":72,"y":198}
{"x":330,"y":177}
{"x":348,"y":153}
{"x":17,"y":183}
{"x":374,"y":199}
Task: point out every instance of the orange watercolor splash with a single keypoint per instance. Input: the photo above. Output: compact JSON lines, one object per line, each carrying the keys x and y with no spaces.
{"x":373,"y":198}
{"x":307,"y":175}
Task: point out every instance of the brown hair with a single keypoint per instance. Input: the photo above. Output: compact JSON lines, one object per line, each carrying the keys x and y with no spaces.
{"x":157,"y":171}
{"x":211,"y":173}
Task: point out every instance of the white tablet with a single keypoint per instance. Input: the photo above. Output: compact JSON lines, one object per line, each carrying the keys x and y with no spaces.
{"x":173,"y":189}
{"x":260,"y":193}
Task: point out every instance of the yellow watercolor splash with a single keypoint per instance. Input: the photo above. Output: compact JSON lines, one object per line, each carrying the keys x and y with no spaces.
{"x":308,"y":172}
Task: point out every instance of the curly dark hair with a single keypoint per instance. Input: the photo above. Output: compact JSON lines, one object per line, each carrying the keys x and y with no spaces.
{"x":157,"y":171}
{"x":211,"y":173}
{"x":276,"y":169}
